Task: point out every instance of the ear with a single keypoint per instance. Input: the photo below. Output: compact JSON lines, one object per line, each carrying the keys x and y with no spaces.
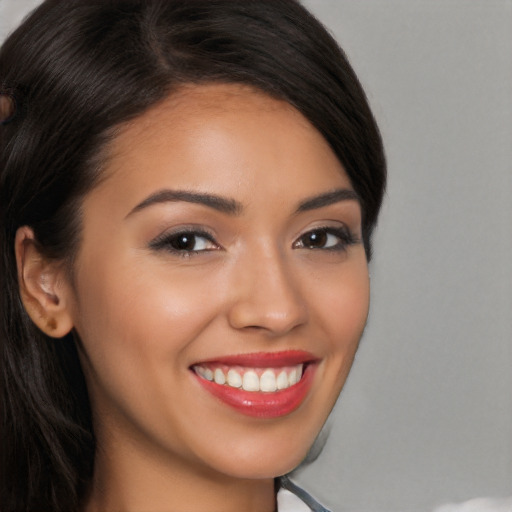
{"x":44,"y":287}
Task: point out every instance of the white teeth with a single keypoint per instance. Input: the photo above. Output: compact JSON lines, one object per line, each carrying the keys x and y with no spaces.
{"x":250,"y":381}
{"x":206,"y":373}
{"x":219,"y":376}
{"x":282,"y":380}
{"x":268,"y":381}
{"x":258,"y":379}
{"x":234,"y":379}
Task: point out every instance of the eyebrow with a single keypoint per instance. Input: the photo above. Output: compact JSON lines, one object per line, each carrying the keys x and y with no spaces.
{"x":233,"y":207}
{"x":326,"y":199}
{"x":221,"y":204}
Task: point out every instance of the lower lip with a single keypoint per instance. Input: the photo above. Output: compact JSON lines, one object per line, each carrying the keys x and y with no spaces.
{"x":259,"y":404}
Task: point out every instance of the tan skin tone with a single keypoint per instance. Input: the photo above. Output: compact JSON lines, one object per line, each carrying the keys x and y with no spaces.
{"x":146,"y":312}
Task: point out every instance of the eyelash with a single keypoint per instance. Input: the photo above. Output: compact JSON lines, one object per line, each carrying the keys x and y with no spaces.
{"x":166,"y":241}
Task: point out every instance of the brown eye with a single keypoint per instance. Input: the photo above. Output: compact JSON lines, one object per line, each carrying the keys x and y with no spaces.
{"x":185,"y":242}
{"x":315,"y":239}
{"x":333,"y":239}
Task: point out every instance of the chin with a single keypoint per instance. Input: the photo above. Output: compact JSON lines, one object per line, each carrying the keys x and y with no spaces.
{"x":262,"y":460}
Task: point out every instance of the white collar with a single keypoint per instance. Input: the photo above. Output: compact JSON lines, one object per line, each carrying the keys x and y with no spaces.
{"x":288,"y":502}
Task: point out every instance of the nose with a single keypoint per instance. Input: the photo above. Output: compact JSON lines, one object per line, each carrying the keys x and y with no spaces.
{"x":267,"y":296}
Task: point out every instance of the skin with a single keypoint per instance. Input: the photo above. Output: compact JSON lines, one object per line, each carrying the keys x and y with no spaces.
{"x":145,"y":314}
{"x":7,"y":107}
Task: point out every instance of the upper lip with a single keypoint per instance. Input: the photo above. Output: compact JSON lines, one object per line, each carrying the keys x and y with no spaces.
{"x":263,"y":359}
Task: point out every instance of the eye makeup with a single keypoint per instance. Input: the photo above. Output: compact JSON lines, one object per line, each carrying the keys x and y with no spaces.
{"x":193,"y":240}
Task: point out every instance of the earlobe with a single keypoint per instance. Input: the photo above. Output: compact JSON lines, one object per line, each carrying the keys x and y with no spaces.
{"x":43,"y":286}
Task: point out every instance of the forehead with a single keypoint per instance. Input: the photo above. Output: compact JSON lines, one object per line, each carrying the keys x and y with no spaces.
{"x":196,"y":111}
{"x":222,"y":138}
{"x":192,"y":103}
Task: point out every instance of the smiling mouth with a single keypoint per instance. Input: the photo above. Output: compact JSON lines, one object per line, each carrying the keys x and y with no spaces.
{"x":266,"y":385}
{"x":267,"y":380}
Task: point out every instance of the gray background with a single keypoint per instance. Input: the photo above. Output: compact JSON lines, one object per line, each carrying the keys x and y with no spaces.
{"x":426,"y":416}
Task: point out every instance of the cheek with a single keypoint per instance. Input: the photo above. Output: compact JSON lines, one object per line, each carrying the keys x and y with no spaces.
{"x":342,"y":308}
{"x":133,"y":320}
{"x":131,"y":303}
{"x":344,"y":302}
{"x":350,"y":310}
{"x":137,"y":323}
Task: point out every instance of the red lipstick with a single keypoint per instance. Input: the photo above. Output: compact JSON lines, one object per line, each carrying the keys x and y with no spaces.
{"x":260,"y":404}
{"x":265,"y":359}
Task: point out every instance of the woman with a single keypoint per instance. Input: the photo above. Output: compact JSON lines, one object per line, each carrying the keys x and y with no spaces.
{"x":188,"y":192}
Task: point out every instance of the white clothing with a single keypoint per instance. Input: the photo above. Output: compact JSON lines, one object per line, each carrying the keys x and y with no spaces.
{"x":292,"y":498}
{"x":479,"y":505}
{"x":288,"y":502}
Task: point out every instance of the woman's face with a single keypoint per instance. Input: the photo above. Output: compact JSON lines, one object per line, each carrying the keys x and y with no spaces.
{"x":224,"y":244}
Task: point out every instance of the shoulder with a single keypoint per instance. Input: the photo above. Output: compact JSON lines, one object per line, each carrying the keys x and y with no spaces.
{"x":292,"y":498}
